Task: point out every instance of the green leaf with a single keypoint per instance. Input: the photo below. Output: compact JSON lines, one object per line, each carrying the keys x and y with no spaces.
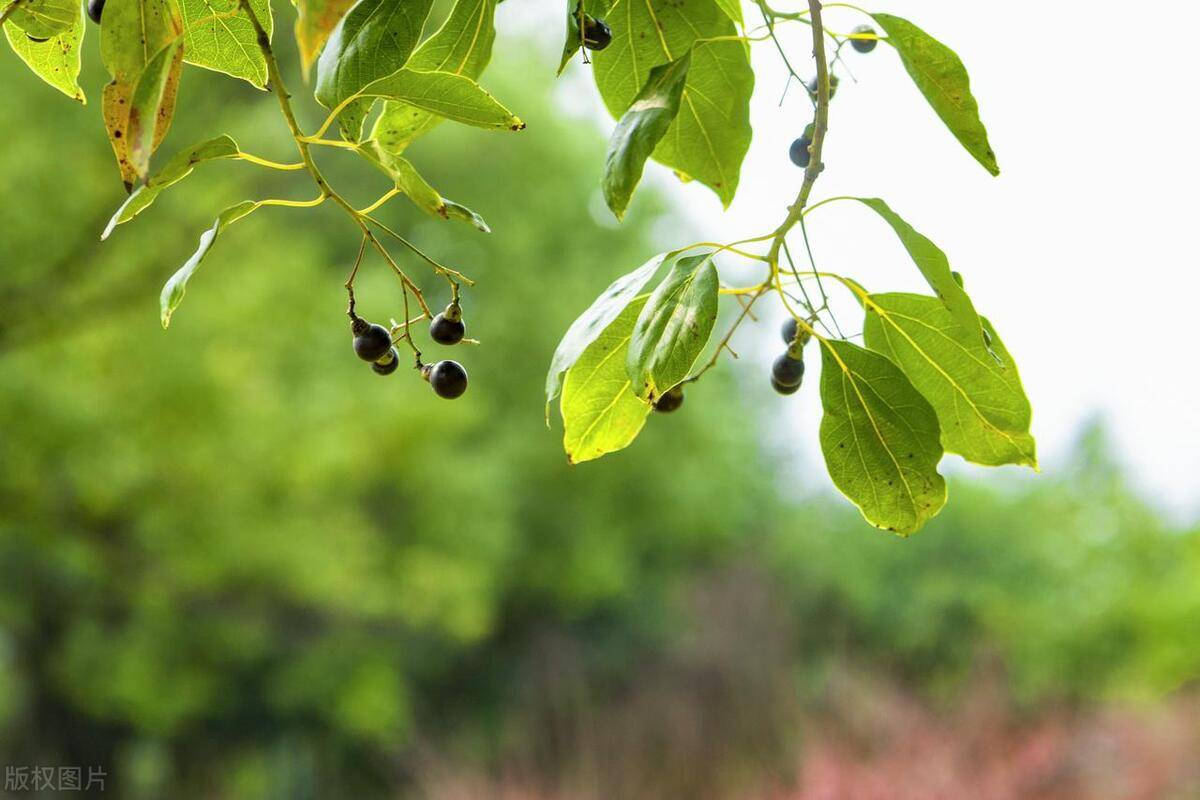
{"x":711,"y":135}
{"x":462,"y":46}
{"x":372,"y":41}
{"x":460,"y":212}
{"x":454,"y":97}
{"x":589,"y":325}
{"x":673,"y":327}
{"x":880,"y":439}
{"x":134,"y":32}
{"x":640,"y":130}
{"x":732,"y":9}
{"x":315,"y":20}
{"x":175,"y":170}
{"x":219,"y":36}
{"x":176,"y":286}
{"x":933,"y":264}
{"x":597,"y":9}
{"x":56,"y":60}
{"x":983,"y":410}
{"x":416,"y":188}
{"x":600,"y":412}
{"x":940,"y":75}
{"x":43,"y":19}
{"x":153,"y":92}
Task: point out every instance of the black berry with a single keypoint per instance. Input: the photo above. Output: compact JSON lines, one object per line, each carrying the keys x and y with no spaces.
{"x":670,"y":401}
{"x":799,"y":152}
{"x":789,"y":330}
{"x":371,"y":342}
{"x":596,"y":34}
{"x":864,"y":45}
{"x":387,"y":365}
{"x":94,"y":9}
{"x":785,"y":390}
{"x":448,"y":379}
{"x":447,"y":327}
{"x":787,"y":371}
{"x":833,"y":85}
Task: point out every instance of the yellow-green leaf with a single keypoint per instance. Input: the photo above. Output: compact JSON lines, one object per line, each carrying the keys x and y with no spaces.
{"x":640,"y":130}
{"x":880,"y":439}
{"x":43,"y":19}
{"x":176,"y":286}
{"x":153,"y":94}
{"x":462,"y":46}
{"x":454,"y":97}
{"x":982,"y":409}
{"x":56,"y":60}
{"x":940,"y":75}
{"x":673,"y":327}
{"x":219,"y":35}
{"x":315,"y":20}
{"x":600,"y":412}
{"x":711,"y":134}
{"x":175,"y":170}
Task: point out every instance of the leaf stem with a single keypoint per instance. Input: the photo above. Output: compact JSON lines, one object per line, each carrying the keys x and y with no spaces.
{"x":294,"y":203}
{"x":262,"y":162}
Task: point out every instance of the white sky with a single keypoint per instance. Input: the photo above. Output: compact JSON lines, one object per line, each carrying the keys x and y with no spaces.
{"x":1081,"y":252}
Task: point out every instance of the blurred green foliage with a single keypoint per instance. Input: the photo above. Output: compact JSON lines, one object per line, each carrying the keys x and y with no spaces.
{"x":233,"y":562}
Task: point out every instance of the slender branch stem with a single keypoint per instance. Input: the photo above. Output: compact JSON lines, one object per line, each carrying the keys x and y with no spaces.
{"x":302,"y":145}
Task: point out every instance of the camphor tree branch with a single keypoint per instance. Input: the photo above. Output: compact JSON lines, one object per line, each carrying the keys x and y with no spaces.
{"x":360,"y":219}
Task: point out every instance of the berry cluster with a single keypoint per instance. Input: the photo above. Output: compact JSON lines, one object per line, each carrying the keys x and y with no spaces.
{"x":800,"y":151}
{"x":373,"y":343}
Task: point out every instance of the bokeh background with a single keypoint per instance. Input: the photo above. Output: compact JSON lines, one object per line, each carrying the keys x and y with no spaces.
{"x":236,"y":564}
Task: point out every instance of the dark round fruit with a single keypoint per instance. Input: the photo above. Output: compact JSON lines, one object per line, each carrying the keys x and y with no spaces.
{"x":444,"y":330}
{"x":799,"y":151}
{"x":95,"y":8}
{"x":787,"y":371}
{"x":448,"y":379}
{"x":789,"y":330}
{"x":833,"y":85}
{"x":779,"y":387}
{"x":371,"y":342}
{"x":387,"y":365}
{"x":671,"y":401}
{"x":864,"y":45}
{"x":596,"y":34}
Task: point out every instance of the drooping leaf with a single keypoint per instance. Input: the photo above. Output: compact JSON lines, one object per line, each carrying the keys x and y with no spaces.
{"x":315,"y":20}
{"x":134,"y":32}
{"x":416,"y":188}
{"x":175,"y":170}
{"x":461,"y":46}
{"x":454,"y":97}
{"x":372,"y":41}
{"x":218,"y":35}
{"x":176,"y":286}
{"x":933,"y":264}
{"x":880,"y":438}
{"x":56,"y":60}
{"x":43,"y":19}
{"x":589,"y":325}
{"x":940,"y":75}
{"x":600,"y":412}
{"x":154,"y":92}
{"x":597,"y":9}
{"x":711,"y":134}
{"x":460,"y":212}
{"x":983,"y":412}
{"x":673,"y":327}
{"x":640,"y":129}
